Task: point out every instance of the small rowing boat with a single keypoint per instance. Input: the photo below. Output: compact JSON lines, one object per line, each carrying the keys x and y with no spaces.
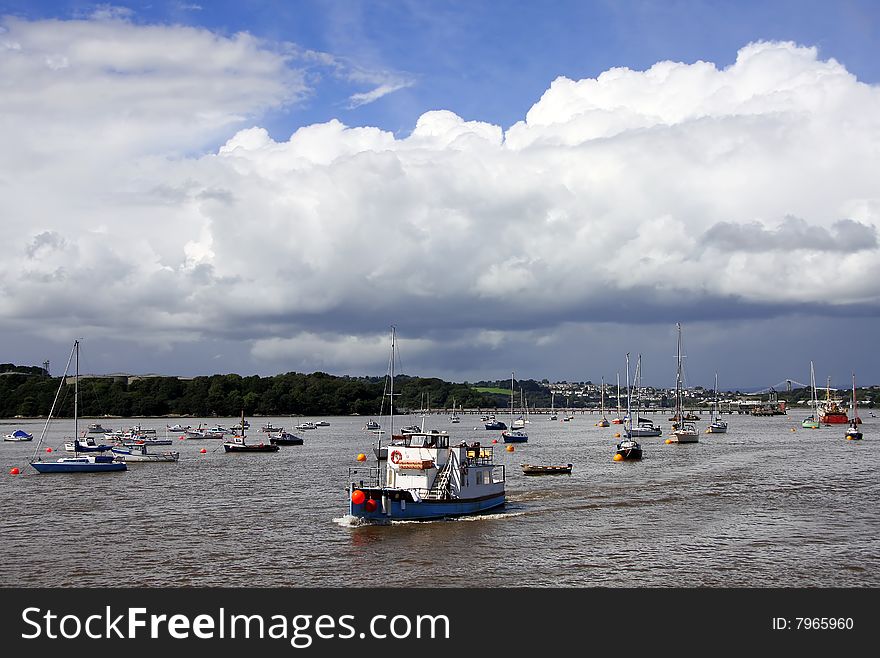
{"x":546,"y":469}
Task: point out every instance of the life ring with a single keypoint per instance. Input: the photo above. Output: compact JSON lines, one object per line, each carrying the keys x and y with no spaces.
{"x":396,"y":457}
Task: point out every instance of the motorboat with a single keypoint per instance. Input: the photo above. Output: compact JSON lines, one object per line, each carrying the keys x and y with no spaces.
{"x":18,"y":435}
{"x":425,"y":477}
{"x":141,"y":455}
{"x":285,"y":439}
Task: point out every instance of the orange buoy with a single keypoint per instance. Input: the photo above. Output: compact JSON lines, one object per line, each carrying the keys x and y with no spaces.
{"x":48,"y":449}
{"x":618,"y":457}
{"x":203,"y":451}
{"x":617,"y":435}
{"x":14,"y":471}
{"x":509,"y":448}
{"x":668,"y":441}
{"x":361,"y":457}
{"x":358,"y":496}
{"x":370,"y":505}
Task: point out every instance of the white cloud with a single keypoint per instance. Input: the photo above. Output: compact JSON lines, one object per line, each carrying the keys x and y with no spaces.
{"x":755,"y":184}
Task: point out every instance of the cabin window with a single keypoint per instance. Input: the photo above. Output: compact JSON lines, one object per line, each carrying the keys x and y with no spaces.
{"x":417,"y":441}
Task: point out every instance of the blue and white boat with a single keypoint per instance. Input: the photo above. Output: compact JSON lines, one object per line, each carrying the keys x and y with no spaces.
{"x":18,"y":435}
{"x":90,"y":463}
{"x":514,"y":436}
{"x":86,"y":444}
{"x":425,"y":477}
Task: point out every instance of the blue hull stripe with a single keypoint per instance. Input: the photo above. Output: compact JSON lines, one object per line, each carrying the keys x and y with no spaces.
{"x":428,"y":509}
{"x":77,"y":468}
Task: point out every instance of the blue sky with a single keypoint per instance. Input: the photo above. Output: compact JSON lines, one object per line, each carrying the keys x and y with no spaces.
{"x":439,"y":179}
{"x":491,"y":60}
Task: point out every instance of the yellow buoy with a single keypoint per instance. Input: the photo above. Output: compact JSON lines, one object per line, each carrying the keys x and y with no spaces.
{"x":617,"y":435}
{"x":794,"y":429}
{"x":618,"y":457}
{"x":509,"y":448}
{"x":668,"y":441}
{"x":361,"y":457}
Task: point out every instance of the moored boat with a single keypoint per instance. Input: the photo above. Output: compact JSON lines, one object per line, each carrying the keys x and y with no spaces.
{"x":853,"y":433}
{"x":831,"y":412}
{"x":628,"y":448}
{"x":238,"y":443}
{"x":86,"y":444}
{"x":514,"y":436}
{"x":18,"y":435}
{"x":285,"y":439}
{"x":716,"y":425}
{"x":90,"y":463}
{"x":683,"y":431}
{"x":141,"y":455}
{"x":546,"y":469}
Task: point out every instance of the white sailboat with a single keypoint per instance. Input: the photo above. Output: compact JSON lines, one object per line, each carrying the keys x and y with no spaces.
{"x":643,"y":427}
{"x":603,"y":422}
{"x":552,"y":408}
{"x":628,"y":447}
{"x":853,"y":433}
{"x":683,"y":431}
{"x":87,"y":463}
{"x":811,"y":422}
{"x":513,"y":435}
{"x":454,"y":417}
{"x":716,"y":425}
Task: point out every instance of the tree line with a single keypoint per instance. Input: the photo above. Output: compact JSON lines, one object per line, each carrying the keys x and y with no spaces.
{"x":29,"y":392}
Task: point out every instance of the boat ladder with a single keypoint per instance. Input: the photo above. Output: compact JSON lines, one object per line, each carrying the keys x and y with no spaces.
{"x":440,"y":489}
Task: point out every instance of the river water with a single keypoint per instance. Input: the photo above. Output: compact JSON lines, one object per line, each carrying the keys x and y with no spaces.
{"x":768,"y":504}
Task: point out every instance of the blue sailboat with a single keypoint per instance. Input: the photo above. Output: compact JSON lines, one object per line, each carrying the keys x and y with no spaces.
{"x":91,"y":463}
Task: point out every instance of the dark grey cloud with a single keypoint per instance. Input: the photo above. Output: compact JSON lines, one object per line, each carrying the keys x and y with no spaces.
{"x":794,"y":233}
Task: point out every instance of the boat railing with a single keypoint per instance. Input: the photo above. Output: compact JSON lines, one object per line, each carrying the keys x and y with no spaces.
{"x":368,"y":474}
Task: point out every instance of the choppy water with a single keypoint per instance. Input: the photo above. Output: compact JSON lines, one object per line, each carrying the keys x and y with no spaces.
{"x":762,"y":506}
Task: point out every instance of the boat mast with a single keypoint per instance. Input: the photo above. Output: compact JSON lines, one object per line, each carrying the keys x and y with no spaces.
{"x":76,"y":400}
{"x":715,"y":406}
{"x":391,"y":388}
{"x":512,"y":376}
{"x":678,"y":401}
{"x":628,"y":417}
{"x":855,"y":418}
{"x":618,"y":395}
{"x":54,"y":402}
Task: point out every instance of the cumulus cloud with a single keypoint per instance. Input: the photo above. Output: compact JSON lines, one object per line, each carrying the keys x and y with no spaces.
{"x":633,"y":194}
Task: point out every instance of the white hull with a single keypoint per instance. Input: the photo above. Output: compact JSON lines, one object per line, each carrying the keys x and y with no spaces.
{"x":684,"y":437}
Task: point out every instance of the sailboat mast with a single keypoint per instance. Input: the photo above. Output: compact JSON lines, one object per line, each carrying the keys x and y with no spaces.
{"x":628,"y":417}
{"x":678,"y":400}
{"x":512,"y":377}
{"x":391,"y":396}
{"x":855,"y":418}
{"x":76,"y":399}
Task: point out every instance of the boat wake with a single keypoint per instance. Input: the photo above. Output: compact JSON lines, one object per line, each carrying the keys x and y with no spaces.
{"x":349,"y":521}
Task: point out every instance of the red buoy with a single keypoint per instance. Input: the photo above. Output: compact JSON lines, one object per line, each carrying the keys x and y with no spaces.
{"x":14,"y":471}
{"x":370,"y":505}
{"x":357,"y":496}
{"x":203,"y":451}
{"x":494,"y":440}
{"x":48,"y":449}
